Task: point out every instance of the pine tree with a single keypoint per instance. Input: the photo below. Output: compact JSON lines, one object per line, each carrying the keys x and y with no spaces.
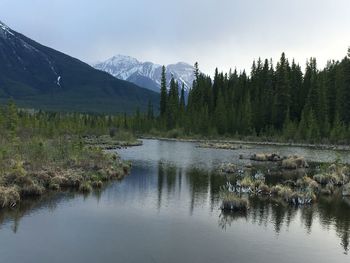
{"x":196,"y":71}
{"x":346,"y":92}
{"x":12,"y":118}
{"x":173,"y":104}
{"x":150,"y":114}
{"x":282,"y":92}
{"x":163,"y":93}
{"x":220,"y":114}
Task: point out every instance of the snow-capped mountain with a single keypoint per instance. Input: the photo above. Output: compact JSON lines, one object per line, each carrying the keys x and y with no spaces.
{"x":147,"y":74}
{"x":40,"y":77}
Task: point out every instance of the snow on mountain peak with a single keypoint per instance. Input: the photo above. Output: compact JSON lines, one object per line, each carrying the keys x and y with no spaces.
{"x":5,"y":29}
{"x":122,"y":58}
{"x":131,"y":69}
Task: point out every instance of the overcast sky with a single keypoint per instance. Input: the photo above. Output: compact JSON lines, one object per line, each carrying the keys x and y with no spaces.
{"x":216,"y":33}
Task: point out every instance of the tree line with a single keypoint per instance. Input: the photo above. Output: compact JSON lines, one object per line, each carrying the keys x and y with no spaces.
{"x":276,"y":102}
{"x":272,"y":101}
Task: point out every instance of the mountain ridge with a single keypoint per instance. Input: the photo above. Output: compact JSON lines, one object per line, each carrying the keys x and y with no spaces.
{"x":40,"y":77}
{"x":146,"y":74}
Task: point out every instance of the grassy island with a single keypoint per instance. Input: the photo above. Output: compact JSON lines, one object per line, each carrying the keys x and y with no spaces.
{"x":41,"y":152}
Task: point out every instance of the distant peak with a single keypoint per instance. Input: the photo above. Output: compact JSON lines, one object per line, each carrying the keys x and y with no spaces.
{"x":124,"y":57}
{"x":183,"y":64}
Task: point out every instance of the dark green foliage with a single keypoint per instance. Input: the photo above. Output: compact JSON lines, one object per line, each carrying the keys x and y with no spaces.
{"x":163,"y":93}
{"x":271,"y":103}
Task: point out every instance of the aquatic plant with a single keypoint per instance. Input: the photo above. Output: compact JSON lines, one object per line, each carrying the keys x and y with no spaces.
{"x":247,"y":182}
{"x":85,"y":187}
{"x":32,"y":189}
{"x":263,"y":189}
{"x":97,"y":184}
{"x":232,"y":202}
{"x":294,"y":162}
{"x":307,"y":182}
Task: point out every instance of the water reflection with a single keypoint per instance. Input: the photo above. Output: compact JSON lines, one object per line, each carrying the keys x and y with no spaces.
{"x":202,"y":188}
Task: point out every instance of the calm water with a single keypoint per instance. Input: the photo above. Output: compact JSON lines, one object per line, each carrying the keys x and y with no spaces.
{"x":167,"y":210}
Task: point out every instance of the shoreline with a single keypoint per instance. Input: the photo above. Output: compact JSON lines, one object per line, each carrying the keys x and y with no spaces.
{"x":94,"y":167}
{"x":244,"y":142}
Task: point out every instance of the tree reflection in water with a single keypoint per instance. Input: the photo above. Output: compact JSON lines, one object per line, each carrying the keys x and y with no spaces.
{"x":200,"y":190}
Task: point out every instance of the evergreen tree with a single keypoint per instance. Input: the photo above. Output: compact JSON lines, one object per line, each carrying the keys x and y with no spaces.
{"x":282,"y":92}
{"x":163,"y":93}
{"x":12,"y":118}
{"x":150,"y":114}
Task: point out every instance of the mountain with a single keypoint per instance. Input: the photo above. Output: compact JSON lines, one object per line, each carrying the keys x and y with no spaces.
{"x":146,"y":74}
{"x":39,"y":77}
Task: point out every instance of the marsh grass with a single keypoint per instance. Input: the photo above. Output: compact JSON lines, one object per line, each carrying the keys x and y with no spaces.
{"x":232,"y":202}
{"x":301,"y":190}
{"x":31,"y":167}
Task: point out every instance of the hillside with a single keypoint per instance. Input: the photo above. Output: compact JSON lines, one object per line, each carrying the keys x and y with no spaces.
{"x":40,"y":77}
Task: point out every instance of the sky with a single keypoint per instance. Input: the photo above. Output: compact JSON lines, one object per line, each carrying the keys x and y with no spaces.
{"x":216,"y":33}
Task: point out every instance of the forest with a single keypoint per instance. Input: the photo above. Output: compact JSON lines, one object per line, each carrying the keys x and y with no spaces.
{"x":276,"y":102}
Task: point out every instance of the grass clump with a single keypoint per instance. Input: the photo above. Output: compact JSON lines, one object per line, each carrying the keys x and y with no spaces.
{"x":294,"y":162}
{"x":346,"y":190}
{"x":97,"y":184}
{"x":36,"y":165}
{"x":85,"y":187}
{"x":9,"y":196}
{"x":247,"y":182}
{"x":263,"y":189}
{"x":232,"y":202}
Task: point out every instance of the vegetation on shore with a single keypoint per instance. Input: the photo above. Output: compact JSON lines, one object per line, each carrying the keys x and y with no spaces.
{"x":273,"y":103}
{"x":41,"y":152}
{"x":306,"y":189}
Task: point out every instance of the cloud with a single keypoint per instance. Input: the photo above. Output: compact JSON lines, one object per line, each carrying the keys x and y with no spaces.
{"x":216,"y":33}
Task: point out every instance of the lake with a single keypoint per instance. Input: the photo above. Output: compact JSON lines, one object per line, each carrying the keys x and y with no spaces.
{"x":167,"y":210}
